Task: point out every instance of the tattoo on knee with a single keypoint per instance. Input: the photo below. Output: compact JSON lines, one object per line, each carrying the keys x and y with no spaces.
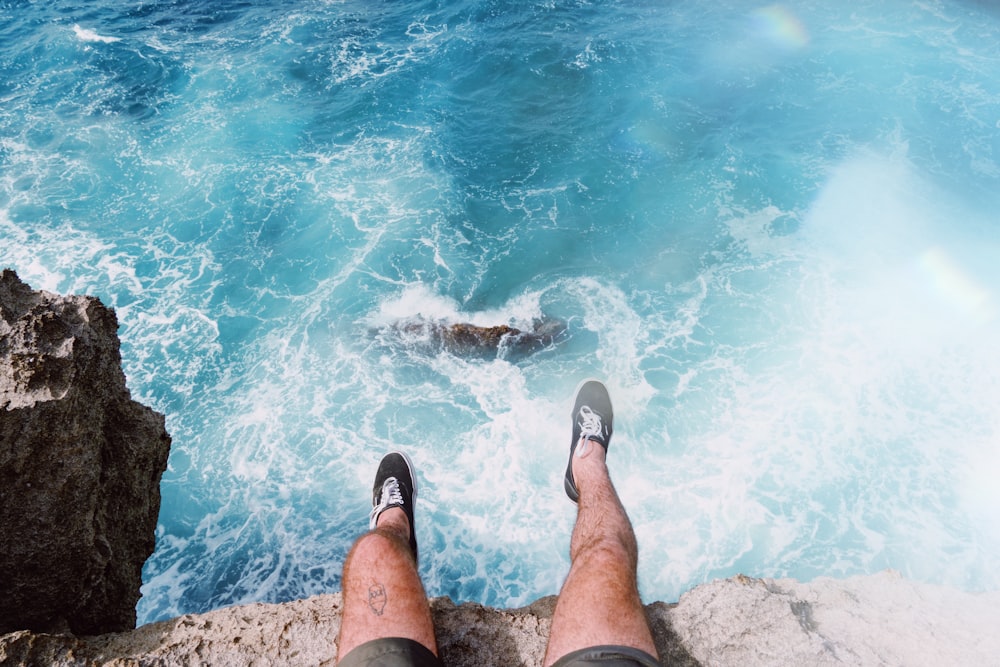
{"x":377,"y":598}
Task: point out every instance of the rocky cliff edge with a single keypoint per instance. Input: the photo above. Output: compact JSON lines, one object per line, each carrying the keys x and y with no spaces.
{"x":878,"y":620}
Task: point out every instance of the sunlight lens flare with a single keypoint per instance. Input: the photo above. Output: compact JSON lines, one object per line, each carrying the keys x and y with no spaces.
{"x":781,"y":27}
{"x":951,"y":283}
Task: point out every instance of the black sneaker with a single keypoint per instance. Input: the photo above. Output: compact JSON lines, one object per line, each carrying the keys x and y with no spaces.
{"x":395,"y":486}
{"x":592,"y":419}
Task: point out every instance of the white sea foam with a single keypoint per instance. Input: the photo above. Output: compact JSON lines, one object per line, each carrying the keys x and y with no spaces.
{"x":88,"y":35}
{"x":419,"y":301}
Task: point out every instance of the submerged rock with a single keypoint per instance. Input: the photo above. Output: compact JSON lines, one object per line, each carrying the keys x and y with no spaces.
{"x":80,"y":467}
{"x":464,"y":339}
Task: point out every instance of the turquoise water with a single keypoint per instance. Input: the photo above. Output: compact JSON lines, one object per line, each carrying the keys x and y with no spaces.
{"x":772,"y":230}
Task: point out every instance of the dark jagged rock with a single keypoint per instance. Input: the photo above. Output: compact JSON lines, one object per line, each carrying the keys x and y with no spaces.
{"x":80,"y":467}
{"x":464,"y":339}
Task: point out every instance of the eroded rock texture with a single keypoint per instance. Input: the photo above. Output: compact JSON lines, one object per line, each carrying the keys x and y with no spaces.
{"x":874,"y":620}
{"x":80,"y":467}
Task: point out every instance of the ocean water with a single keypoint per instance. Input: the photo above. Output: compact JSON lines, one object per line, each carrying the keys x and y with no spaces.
{"x":771,"y":229}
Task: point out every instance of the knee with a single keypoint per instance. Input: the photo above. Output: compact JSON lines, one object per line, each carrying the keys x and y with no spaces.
{"x":377,"y":546}
{"x":611,"y":556}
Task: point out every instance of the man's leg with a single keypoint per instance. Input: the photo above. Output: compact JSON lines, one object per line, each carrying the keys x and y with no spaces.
{"x":383,"y":595}
{"x":599,"y":603}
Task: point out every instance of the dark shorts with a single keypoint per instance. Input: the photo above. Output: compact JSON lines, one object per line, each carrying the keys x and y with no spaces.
{"x":398,"y":652}
{"x":391,"y":652}
{"x":607,"y":656}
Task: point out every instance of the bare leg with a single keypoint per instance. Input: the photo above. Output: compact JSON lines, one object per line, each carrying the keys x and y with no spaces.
{"x":599,"y":602}
{"x":383,"y":595}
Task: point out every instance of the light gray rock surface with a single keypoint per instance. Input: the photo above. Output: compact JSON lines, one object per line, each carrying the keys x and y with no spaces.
{"x":80,"y":467}
{"x":879,"y":620}
{"x":876,"y":620}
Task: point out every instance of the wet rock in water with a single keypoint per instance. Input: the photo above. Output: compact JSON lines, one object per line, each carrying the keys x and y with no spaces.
{"x":464,"y":339}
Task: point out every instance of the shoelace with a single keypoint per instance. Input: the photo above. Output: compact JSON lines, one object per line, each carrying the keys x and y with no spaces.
{"x":590,"y":424}
{"x":391,"y":496}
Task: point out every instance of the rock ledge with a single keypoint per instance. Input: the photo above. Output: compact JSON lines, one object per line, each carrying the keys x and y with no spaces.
{"x":874,"y":620}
